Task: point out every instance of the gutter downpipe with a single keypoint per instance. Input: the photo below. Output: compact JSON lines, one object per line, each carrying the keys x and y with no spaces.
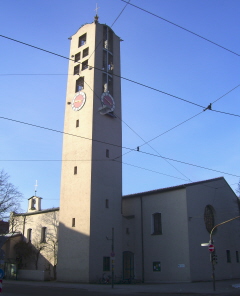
{"x":142,"y":242}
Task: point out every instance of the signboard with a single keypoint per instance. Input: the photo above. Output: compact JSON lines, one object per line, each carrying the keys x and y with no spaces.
{"x":211,"y":248}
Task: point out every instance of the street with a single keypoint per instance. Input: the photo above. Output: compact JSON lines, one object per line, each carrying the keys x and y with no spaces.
{"x":39,"y":289}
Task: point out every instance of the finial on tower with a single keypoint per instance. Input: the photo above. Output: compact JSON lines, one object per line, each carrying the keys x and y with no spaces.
{"x":96,"y":16}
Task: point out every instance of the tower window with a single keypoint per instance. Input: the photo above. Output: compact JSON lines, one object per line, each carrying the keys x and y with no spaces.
{"x":77,"y":57}
{"x":77,"y":123}
{"x":237,"y":257}
{"x":228,"y":256}
{"x":73,"y":222}
{"x":106,"y":203}
{"x":84,"y":65}
{"x":156,"y":223}
{"x":79,"y":84}
{"x":85,"y":52}
{"x":75,"y":170}
{"x":107,"y":153}
{"x":82,"y":40}
{"x":127,"y":230}
{"x":76,"y":69}
{"x":43,"y":234}
{"x":29,"y":235}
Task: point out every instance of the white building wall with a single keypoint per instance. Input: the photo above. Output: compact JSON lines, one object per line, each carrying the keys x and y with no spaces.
{"x":220,"y":196}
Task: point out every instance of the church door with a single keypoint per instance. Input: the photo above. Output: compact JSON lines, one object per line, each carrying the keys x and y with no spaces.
{"x":128,"y":265}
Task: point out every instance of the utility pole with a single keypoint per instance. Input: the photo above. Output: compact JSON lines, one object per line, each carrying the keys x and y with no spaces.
{"x":213,"y":253}
{"x":112,"y":256}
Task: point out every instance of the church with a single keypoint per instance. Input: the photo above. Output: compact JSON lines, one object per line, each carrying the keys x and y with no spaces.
{"x":151,"y":237}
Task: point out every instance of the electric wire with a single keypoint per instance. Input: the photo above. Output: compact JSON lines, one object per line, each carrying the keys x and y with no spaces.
{"x":121,"y":77}
{"x":146,"y":153}
{"x":124,"y":78}
{"x":208,"y":40}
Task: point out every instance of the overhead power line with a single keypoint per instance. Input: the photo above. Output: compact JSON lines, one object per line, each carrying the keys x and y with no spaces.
{"x":147,"y":153}
{"x":189,"y":31}
{"x":124,"y":78}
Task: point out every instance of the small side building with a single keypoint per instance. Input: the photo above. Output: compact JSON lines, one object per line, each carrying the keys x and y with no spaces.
{"x":36,"y":252}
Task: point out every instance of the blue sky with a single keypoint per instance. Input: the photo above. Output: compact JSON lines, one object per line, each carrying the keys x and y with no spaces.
{"x":154,"y":53}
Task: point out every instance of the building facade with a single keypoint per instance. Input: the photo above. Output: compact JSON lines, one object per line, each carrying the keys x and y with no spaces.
{"x":164,"y":230}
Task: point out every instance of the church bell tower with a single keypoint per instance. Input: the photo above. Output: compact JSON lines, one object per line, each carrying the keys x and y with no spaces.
{"x":91,"y":181}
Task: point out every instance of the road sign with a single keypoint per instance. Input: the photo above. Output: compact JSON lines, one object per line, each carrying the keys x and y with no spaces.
{"x":211,"y":248}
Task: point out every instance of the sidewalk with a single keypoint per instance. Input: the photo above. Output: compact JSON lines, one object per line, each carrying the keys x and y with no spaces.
{"x":226,"y":287}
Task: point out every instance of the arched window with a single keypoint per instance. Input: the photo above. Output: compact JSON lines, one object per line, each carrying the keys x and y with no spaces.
{"x":209,"y":217}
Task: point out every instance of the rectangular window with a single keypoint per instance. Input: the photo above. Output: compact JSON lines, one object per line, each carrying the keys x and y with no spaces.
{"x":77,"y":57}
{"x":29,"y":235}
{"x":106,"y":263}
{"x":237,"y":257}
{"x":79,"y":84}
{"x":76,"y":70}
{"x":127,"y":230}
{"x":106,"y":203}
{"x":157,"y":266}
{"x":156,"y":223}
{"x":82,"y":40}
{"x":107,"y":153}
{"x":43,"y":234}
{"x":84,"y":65}
{"x":85,"y":52}
{"x":73,"y":222}
{"x":228,"y":256}
{"x":75,"y":170}
{"x":77,"y":123}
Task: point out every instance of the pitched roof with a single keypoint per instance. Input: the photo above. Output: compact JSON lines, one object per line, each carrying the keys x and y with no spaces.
{"x":183,"y":186}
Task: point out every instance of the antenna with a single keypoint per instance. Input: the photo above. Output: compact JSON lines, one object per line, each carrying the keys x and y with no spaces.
{"x":36,"y":185}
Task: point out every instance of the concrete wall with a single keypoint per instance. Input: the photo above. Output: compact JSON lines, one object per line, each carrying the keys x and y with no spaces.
{"x":171,"y":248}
{"x":220,"y":196}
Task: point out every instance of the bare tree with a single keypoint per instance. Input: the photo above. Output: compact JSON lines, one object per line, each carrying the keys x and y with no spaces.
{"x":10,"y":197}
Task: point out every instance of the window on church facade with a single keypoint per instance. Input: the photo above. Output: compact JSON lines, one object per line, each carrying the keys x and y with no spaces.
{"x":156,"y":223}
{"x":106,"y":203}
{"x":82,"y":40}
{"x":107,"y":38}
{"x":29,"y":235}
{"x":107,"y":83}
{"x":73,"y":222}
{"x":75,"y":170}
{"x":106,"y":263}
{"x":43,"y":234}
{"x":228,"y":256}
{"x":107,"y":153}
{"x":209,"y":218}
{"x":79,"y":84}
{"x":77,"y":123}
{"x":237,"y":257}
{"x":77,"y":57}
{"x":84,"y":65}
{"x":76,"y":70}
{"x":85,"y":52}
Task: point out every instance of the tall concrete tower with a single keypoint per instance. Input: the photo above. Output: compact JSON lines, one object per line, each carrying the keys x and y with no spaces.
{"x":91,"y":182}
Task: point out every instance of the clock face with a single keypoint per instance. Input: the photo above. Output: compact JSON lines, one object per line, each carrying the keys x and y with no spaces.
{"x":78,"y":101}
{"x":107,"y":100}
